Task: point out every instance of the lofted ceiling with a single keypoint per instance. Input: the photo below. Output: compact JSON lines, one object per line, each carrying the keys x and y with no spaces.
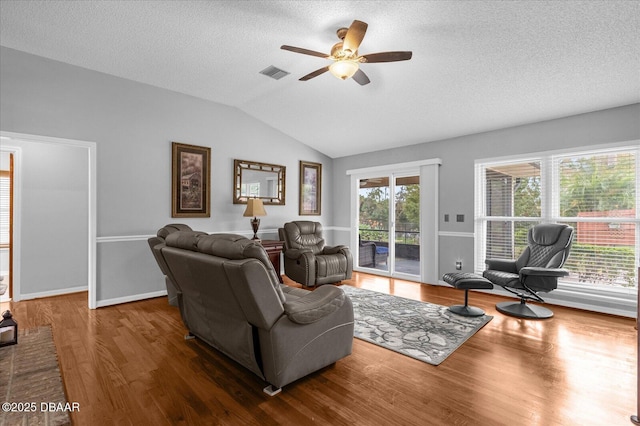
{"x":476,"y":66}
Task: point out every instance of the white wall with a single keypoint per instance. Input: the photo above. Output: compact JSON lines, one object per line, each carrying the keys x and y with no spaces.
{"x":133,"y":125}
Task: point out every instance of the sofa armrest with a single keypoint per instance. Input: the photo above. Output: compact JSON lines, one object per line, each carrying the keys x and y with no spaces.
{"x":504,"y":265}
{"x":333,"y":250}
{"x":296,"y":253}
{"x":315,"y":305}
{"x":543,"y":272}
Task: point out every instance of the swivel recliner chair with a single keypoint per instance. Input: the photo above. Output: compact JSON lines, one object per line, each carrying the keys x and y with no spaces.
{"x":536,"y":270}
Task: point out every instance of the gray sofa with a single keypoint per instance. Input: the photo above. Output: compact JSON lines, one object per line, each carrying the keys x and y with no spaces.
{"x":230,"y":297}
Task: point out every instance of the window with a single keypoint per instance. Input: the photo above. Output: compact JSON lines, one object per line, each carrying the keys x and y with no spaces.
{"x":5,"y":207}
{"x":594,"y":191}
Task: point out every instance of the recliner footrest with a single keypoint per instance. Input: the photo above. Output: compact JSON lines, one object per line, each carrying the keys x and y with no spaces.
{"x":467,"y":281}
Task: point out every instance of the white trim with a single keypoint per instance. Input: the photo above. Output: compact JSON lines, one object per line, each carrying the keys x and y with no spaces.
{"x":398,"y":167}
{"x":132,"y":298}
{"x":456,"y":234}
{"x":124,"y":238}
{"x":92,"y":205}
{"x":129,"y":238}
{"x":338,"y":228}
{"x":17,"y":222}
{"x":594,"y":149}
{"x":51,"y":293}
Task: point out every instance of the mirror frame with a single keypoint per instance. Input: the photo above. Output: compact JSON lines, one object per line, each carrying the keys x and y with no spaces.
{"x":240,"y":165}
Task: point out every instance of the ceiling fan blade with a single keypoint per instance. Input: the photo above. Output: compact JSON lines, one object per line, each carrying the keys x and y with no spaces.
{"x":361,"y":78}
{"x":387,"y":57}
{"x":303,"y":51}
{"x":354,"y":36}
{"x":314,"y":74}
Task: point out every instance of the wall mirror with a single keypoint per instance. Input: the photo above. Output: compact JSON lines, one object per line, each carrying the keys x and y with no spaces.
{"x":258,"y":180}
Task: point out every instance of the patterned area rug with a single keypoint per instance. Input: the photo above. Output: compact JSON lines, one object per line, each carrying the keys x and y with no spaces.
{"x":421,"y":330}
{"x":31,"y":391}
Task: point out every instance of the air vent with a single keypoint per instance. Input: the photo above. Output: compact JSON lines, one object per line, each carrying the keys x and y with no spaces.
{"x":273,"y":72}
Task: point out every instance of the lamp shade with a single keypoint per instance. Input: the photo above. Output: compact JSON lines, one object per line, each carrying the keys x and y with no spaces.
{"x":344,"y":69}
{"x":254,"y":208}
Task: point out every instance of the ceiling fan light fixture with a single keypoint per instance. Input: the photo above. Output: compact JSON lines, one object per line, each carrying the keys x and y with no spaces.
{"x":344,"y":69}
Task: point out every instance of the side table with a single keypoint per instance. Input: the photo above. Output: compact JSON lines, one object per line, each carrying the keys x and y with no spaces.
{"x":273,"y":249}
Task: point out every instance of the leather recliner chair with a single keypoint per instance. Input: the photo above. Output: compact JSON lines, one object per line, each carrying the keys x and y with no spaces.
{"x":308,"y":261}
{"x":536,"y":270}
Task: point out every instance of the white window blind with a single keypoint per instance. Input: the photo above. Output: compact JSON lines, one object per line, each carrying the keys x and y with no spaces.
{"x":597,"y":196}
{"x":5,"y":194}
{"x":595,"y":192}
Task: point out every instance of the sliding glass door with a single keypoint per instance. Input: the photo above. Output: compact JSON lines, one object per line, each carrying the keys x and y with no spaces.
{"x":389,"y":224}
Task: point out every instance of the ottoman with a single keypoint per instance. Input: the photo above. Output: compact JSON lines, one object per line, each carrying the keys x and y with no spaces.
{"x":467,"y":281}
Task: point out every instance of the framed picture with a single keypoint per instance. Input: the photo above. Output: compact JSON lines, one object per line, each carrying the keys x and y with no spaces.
{"x":310,"y":188}
{"x":190,"y":180}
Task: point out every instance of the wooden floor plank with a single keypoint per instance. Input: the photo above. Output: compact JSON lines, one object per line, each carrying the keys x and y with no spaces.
{"x":130,"y":364}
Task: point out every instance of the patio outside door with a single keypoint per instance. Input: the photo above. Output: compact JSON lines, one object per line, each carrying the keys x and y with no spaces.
{"x":389,"y":226}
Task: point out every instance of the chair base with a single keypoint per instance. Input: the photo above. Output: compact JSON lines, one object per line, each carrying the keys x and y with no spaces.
{"x":466,"y":310}
{"x":523,"y":310}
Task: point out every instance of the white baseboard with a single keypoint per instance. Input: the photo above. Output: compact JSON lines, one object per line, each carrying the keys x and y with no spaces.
{"x":51,"y":293}
{"x":132,"y":298}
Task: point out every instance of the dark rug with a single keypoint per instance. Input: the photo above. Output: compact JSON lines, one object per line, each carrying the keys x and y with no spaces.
{"x":421,"y":330}
{"x":31,"y":391}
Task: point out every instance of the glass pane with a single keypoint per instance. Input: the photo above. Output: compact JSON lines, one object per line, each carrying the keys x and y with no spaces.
{"x":374,"y":223}
{"x":407,"y":240}
{"x":506,"y":239}
{"x":603,"y":253}
{"x":513,"y":190}
{"x":598,"y":185}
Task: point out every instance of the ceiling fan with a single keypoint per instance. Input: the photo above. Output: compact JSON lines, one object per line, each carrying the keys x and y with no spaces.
{"x":345,"y":57}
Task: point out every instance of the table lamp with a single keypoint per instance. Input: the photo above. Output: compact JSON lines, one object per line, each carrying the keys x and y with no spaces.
{"x":255,"y":208}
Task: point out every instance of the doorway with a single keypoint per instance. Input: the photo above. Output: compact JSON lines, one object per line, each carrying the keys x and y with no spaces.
{"x":37,"y":150}
{"x":394,"y":220}
{"x":389,"y":224}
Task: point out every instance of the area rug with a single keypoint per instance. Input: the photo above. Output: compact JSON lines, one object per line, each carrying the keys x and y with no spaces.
{"x":421,"y":330}
{"x":31,"y":391}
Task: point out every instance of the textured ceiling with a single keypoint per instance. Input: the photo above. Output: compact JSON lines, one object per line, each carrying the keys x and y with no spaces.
{"x":477,"y":65}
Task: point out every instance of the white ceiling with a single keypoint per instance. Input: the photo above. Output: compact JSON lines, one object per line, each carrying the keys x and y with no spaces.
{"x":476,"y":66}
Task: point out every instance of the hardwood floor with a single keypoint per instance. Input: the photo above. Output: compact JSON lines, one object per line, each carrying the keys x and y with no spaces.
{"x":130,"y":365}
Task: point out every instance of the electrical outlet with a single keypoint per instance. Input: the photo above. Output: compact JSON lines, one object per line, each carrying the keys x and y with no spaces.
{"x":458,"y":265}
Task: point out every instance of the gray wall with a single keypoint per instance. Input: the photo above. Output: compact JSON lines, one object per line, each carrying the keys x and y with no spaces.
{"x":53,"y":217}
{"x":133,"y":125}
{"x":456,"y":191}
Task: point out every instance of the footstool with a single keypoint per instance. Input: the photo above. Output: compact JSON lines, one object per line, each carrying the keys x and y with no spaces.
{"x":467,"y":281}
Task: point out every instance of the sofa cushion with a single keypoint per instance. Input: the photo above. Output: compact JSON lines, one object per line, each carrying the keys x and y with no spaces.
{"x":237,"y":247}
{"x":187,"y":240}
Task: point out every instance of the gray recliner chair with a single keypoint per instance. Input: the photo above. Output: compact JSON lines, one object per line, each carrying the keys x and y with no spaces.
{"x":155,"y":244}
{"x":536,"y":270}
{"x":308,"y":261}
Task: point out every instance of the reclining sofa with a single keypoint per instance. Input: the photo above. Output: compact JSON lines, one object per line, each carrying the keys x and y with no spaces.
{"x":230,"y":297}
